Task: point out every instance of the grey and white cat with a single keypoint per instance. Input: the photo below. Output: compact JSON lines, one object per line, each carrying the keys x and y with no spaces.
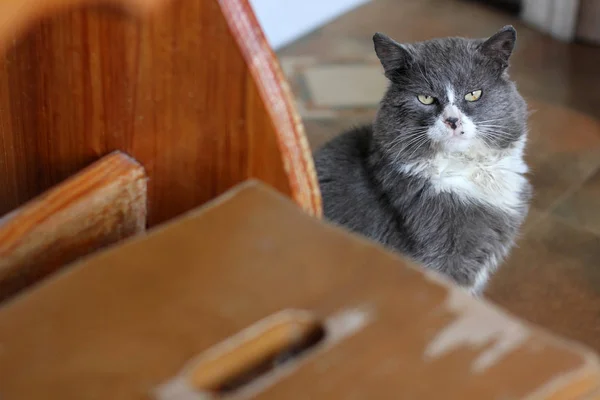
{"x":439,"y":175}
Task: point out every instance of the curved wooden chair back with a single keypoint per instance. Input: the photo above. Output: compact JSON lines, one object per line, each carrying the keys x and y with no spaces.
{"x":188,"y":88}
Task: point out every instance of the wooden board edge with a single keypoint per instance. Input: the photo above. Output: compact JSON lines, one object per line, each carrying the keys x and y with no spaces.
{"x":276,"y":94}
{"x":101,"y":205}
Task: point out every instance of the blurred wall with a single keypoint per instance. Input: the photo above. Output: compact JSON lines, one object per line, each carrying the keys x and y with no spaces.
{"x":284,"y":21}
{"x":555,"y":17}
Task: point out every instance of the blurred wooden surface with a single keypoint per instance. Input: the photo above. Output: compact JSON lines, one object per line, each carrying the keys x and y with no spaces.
{"x":130,"y":323}
{"x":189,"y":88}
{"x":102,"y":205}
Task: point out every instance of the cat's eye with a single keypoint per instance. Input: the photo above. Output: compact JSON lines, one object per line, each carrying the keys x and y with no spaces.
{"x":473,"y":96}
{"x":427,"y":100}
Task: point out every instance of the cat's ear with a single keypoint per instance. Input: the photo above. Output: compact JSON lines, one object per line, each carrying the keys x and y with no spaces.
{"x":393,"y":56}
{"x":500,"y":46}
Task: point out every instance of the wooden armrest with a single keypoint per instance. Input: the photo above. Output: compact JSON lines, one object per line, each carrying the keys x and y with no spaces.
{"x":102,"y":205}
{"x":187,"y":310}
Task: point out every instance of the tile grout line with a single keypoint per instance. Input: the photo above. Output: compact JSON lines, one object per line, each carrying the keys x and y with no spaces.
{"x":569,"y":192}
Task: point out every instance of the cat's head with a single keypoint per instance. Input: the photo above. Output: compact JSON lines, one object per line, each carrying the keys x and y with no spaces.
{"x":449,"y":95}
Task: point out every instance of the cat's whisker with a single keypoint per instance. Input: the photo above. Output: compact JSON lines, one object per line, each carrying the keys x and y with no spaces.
{"x":490,"y":130}
{"x":496,"y":135}
{"x":398,"y":146}
{"x":399,"y":152}
{"x":401,"y":139}
{"x":411,"y":135}
{"x":493,"y":130}
{"x":410,"y":132}
{"x":502,"y":127}
{"x":418,"y":147}
{"x":397,"y":157}
{"x":491,"y":126}
{"x":414,"y":145}
{"x":401,"y":145}
{"x":412,"y":140}
{"x":491,"y":120}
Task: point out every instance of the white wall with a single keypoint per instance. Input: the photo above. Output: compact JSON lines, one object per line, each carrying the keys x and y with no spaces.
{"x":283,"y":21}
{"x":556,"y":17}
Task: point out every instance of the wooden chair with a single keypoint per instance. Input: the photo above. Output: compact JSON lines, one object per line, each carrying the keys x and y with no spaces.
{"x":188,"y":88}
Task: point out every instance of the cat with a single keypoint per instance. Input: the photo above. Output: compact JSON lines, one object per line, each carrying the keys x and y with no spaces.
{"x":439,"y":175}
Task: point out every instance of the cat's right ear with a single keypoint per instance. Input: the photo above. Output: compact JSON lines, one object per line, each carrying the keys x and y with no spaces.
{"x":393,"y":56}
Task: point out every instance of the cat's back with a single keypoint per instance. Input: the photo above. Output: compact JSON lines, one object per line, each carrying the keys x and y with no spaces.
{"x":346,"y":152}
{"x":346,"y":186}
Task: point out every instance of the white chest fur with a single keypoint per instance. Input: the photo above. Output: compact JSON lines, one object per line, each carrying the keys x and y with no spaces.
{"x":493,"y":178}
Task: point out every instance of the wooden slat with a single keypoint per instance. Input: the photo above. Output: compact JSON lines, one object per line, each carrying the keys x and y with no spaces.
{"x":166,"y":316}
{"x":100,"y":206}
{"x":189,"y":88}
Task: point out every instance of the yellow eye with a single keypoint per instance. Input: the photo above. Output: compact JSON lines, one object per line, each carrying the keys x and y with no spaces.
{"x":473,"y":96}
{"x":427,"y":100}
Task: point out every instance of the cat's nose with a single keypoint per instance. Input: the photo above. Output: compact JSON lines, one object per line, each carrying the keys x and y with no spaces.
{"x":451,"y":122}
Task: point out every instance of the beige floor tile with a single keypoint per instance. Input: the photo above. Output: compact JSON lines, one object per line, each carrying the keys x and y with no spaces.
{"x":534,"y":217}
{"x":553,"y":279}
{"x":563,"y":151}
{"x":582,"y":208}
{"x":321,"y":131}
{"x":341,"y":86}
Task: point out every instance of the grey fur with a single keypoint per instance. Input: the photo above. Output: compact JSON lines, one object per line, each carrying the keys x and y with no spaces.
{"x":365,"y":189}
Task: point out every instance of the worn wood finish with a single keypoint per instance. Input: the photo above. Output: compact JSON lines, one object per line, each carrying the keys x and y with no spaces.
{"x":100,"y":206}
{"x":249,"y":349}
{"x":189,"y":88}
{"x":126,"y":323}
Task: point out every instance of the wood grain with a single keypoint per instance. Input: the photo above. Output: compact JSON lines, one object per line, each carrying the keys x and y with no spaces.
{"x":189,"y":88}
{"x":123,"y":323}
{"x":100,"y":206}
{"x":17,"y":16}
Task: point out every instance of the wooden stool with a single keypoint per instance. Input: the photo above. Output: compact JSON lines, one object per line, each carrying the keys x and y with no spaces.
{"x":249,"y":297}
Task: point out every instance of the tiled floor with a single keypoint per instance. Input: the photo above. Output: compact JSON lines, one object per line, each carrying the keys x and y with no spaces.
{"x":553,"y":277}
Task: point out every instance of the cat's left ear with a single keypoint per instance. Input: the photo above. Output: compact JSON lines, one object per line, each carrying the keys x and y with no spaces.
{"x":500,"y":46}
